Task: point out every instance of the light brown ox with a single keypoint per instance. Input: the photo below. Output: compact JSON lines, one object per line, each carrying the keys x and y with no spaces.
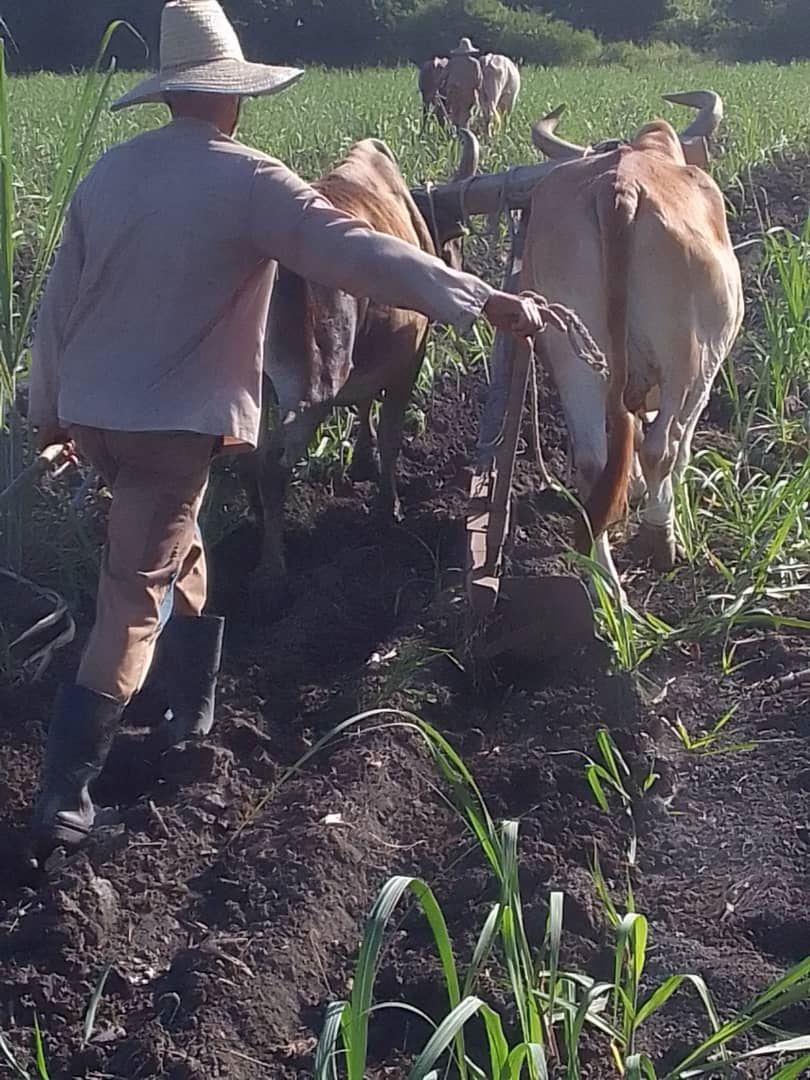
{"x":634,"y":239}
{"x":500,"y":86}
{"x":326,"y":348}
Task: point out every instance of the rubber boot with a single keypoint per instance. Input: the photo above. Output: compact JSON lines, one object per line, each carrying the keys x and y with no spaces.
{"x":79,"y":739}
{"x":191,"y":654}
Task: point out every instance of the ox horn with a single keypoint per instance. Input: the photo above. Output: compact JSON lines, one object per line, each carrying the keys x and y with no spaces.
{"x":710,"y":111}
{"x":550,"y":144}
{"x":470,"y":156}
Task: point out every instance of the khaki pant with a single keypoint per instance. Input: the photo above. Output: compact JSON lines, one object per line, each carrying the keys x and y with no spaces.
{"x":153,"y":562}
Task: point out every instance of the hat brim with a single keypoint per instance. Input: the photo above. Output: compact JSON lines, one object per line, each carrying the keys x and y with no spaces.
{"x":236,"y":77}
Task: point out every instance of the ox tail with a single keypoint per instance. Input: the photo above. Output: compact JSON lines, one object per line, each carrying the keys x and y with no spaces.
{"x":616,"y":211}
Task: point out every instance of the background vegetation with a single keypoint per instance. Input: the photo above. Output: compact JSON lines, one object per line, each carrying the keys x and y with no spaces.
{"x":59,"y":35}
{"x":742,"y":507}
{"x":765,"y":113}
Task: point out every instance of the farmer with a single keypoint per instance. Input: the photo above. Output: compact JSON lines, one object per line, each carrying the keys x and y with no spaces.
{"x":148,"y":358}
{"x":463,"y":82}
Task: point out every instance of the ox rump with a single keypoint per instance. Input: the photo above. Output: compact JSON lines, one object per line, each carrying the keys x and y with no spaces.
{"x":633,"y":236}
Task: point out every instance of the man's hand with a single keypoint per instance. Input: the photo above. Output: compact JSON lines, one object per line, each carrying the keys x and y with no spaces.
{"x":524,"y":315}
{"x":50,"y":435}
{"x":54,"y":435}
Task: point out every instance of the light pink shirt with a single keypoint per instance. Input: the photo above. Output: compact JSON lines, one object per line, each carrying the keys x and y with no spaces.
{"x":154,"y":315}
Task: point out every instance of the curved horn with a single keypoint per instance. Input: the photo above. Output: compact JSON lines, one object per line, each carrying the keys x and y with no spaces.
{"x":550,"y":144}
{"x":470,"y":155}
{"x":710,"y":111}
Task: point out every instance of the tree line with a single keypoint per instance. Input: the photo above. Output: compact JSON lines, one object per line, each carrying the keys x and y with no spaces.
{"x":59,"y":35}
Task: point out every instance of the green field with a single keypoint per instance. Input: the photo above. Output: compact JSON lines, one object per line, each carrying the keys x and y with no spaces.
{"x":680,"y":657}
{"x":313,"y":123}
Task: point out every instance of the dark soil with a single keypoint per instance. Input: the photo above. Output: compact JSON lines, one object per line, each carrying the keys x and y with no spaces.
{"x":230,"y":908}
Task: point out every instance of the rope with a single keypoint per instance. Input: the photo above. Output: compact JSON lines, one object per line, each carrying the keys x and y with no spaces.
{"x":579,"y":335}
{"x":566,"y":321}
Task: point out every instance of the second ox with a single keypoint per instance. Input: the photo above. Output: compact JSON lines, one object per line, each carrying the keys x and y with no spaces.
{"x":325,"y":347}
{"x":433,"y":89}
{"x":500,"y":86}
{"x":633,"y":237}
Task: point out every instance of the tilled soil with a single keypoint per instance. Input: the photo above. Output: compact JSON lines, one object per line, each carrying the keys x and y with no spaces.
{"x":229,"y":899}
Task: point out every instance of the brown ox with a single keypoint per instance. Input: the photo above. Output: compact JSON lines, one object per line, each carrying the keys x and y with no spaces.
{"x":500,"y":86}
{"x":432,"y":87}
{"x":326,"y":348}
{"x":634,"y":238}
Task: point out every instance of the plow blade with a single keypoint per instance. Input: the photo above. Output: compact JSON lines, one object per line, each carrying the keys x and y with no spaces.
{"x":537,"y":620}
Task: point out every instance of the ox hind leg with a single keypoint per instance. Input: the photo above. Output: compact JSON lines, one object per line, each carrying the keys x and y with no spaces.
{"x":583,"y":398}
{"x":287,"y":444}
{"x":398,"y":393}
{"x":656,"y":538}
{"x":273,"y":479}
{"x":664,"y":454}
{"x":658,"y":454}
{"x":364,"y":466}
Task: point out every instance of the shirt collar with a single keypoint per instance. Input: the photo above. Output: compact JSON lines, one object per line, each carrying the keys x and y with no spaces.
{"x":191,"y":123}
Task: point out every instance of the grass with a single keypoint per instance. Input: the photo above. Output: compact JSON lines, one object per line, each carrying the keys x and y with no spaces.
{"x":742,"y":512}
{"x":314,"y":122}
{"x":556,"y":1011}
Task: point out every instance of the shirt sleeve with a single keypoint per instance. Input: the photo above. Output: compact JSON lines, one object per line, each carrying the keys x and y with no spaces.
{"x":58,"y":301}
{"x":292,"y":223}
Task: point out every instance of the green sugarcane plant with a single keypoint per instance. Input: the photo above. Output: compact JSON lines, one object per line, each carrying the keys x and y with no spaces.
{"x":20,"y":297}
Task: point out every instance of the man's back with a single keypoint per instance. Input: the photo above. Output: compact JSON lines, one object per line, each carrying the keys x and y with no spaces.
{"x":163,"y":222}
{"x":464,"y":73}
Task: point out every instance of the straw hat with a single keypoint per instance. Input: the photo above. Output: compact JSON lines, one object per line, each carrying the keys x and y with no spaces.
{"x":464,"y":48}
{"x":200,"y":52}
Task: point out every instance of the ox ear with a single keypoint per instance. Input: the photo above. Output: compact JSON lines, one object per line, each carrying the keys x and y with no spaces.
{"x":696,"y":151}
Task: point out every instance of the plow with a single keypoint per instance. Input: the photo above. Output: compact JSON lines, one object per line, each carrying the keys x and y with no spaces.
{"x":524,"y":618}
{"x":34,"y":621}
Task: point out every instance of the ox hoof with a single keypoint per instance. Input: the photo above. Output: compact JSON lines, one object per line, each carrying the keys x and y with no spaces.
{"x":656,"y":543}
{"x":363,"y":469}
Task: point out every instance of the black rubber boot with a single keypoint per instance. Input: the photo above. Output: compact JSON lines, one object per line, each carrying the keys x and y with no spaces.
{"x":190,"y":657}
{"x":79,"y":739}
